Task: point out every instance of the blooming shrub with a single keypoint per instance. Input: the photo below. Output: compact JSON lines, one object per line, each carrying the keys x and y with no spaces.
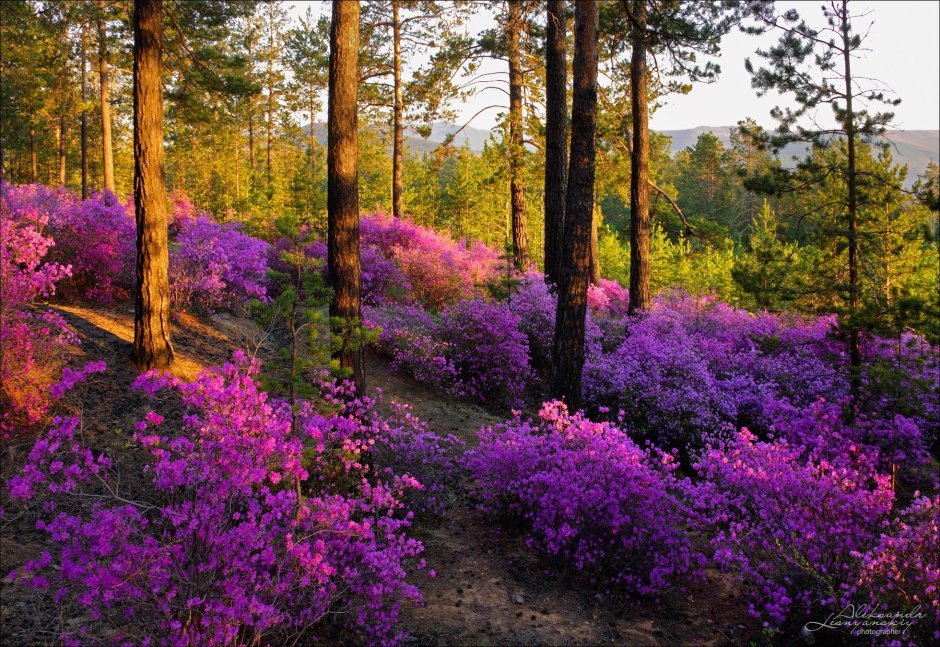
{"x":33,"y":341}
{"x":96,"y":237}
{"x":789,"y":522}
{"x":902,"y":572}
{"x":609,"y":298}
{"x":588,"y":496}
{"x":488,"y":350}
{"x":226,"y":552}
{"x":216,"y":266}
{"x":438,"y":269}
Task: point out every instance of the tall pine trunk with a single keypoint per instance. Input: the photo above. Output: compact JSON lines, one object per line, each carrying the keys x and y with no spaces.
{"x":855,"y":356}
{"x":568,"y":346}
{"x":84,"y":117}
{"x":343,"y":263}
{"x":152,"y":347}
{"x":312,"y":105}
{"x":271,"y":54}
{"x":398,"y":150}
{"x":60,"y":137}
{"x":556,"y":137}
{"x":639,"y":168}
{"x":107,"y":154}
{"x":33,"y":157}
{"x":520,"y":241}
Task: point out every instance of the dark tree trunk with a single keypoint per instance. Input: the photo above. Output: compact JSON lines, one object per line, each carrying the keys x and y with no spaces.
{"x":398,"y":151}
{"x":520,"y":241}
{"x":152,"y":347}
{"x":556,"y":138}
{"x":568,"y":346}
{"x":33,"y":158}
{"x":107,"y":154}
{"x":84,"y":119}
{"x":271,"y":54}
{"x":60,"y":144}
{"x":855,"y":355}
{"x":343,"y":267}
{"x":639,"y":168}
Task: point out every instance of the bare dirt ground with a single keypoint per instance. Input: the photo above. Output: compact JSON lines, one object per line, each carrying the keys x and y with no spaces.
{"x":489,"y":589}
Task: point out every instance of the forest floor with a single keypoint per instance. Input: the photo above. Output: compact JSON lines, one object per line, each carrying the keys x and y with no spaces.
{"x":489,"y":588}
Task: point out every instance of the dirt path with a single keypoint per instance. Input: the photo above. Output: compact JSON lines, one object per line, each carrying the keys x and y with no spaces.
{"x":491,"y":590}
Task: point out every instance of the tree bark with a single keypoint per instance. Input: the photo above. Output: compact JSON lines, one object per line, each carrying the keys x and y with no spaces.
{"x":84,"y":117}
{"x":568,"y":345}
{"x":33,"y":158}
{"x":639,"y":168}
{"x":271,"y":54}
{"x":60,"y":137}
{"x":107,"y":154}
{"x":152,"y":347}
{"x":556,"y":137}
{"x":312,"y":100}
{"x":520,"y":241}
{"x":398,"y":150}
{"x":855,"y":356}
{"x":343,"y":262}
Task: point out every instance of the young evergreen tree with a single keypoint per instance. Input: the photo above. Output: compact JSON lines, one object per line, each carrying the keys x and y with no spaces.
{"x":152,"y":347}
{"x":568,"y":344}
{"x":343,"y":262}
{"x":815,"y":67}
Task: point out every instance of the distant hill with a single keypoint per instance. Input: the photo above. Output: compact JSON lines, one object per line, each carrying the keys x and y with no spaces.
{"x":912,"y":147}
{"x":475,"y":137}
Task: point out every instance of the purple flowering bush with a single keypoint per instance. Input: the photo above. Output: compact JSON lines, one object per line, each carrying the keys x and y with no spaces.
{"x":902,"y":571}
{"x":473,"y":349}
{"x":96,"y":237}
{"x":247,"y":536}
{"x":588,"y":496}
{"x":788,"y":521}
{"x":215,"y":266}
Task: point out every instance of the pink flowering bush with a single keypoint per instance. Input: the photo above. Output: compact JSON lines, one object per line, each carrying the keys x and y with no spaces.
{"x":216,"y":266}
{"x":248,"y":536}
{"x":902,"y":571}
{"x":609,"y":298}
{"x":588,"y":496}
{"x":33,"y":341}
{"x":438,"y":269}
{"x":788,"y":522}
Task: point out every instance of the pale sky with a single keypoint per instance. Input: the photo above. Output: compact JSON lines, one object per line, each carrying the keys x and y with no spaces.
{"x":904,"y":44}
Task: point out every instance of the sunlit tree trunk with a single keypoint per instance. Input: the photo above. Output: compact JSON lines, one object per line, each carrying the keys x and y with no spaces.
{"x":595,"y":246}
{"x":152,"y":347}
{"x":398,"y":151}
{"x":520,"y":241}
{"x":556,"y":137}
{"x":343,"y":263}
{"x":33,"y":157}
{"x":107,"y":154}
{"x":568,"y":346}
{"x":639,"y":172}
{"x":84,"y":118}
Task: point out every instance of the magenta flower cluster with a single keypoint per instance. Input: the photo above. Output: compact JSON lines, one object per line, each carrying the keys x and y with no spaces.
{"x":258,"y":529}
{"x":34,"y":341}
{"x":589,"y":497}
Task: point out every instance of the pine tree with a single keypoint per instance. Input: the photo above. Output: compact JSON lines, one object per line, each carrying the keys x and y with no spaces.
{"x":568,"y":344}
{"x":343,"y":263}
{"x":152,"y":347}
